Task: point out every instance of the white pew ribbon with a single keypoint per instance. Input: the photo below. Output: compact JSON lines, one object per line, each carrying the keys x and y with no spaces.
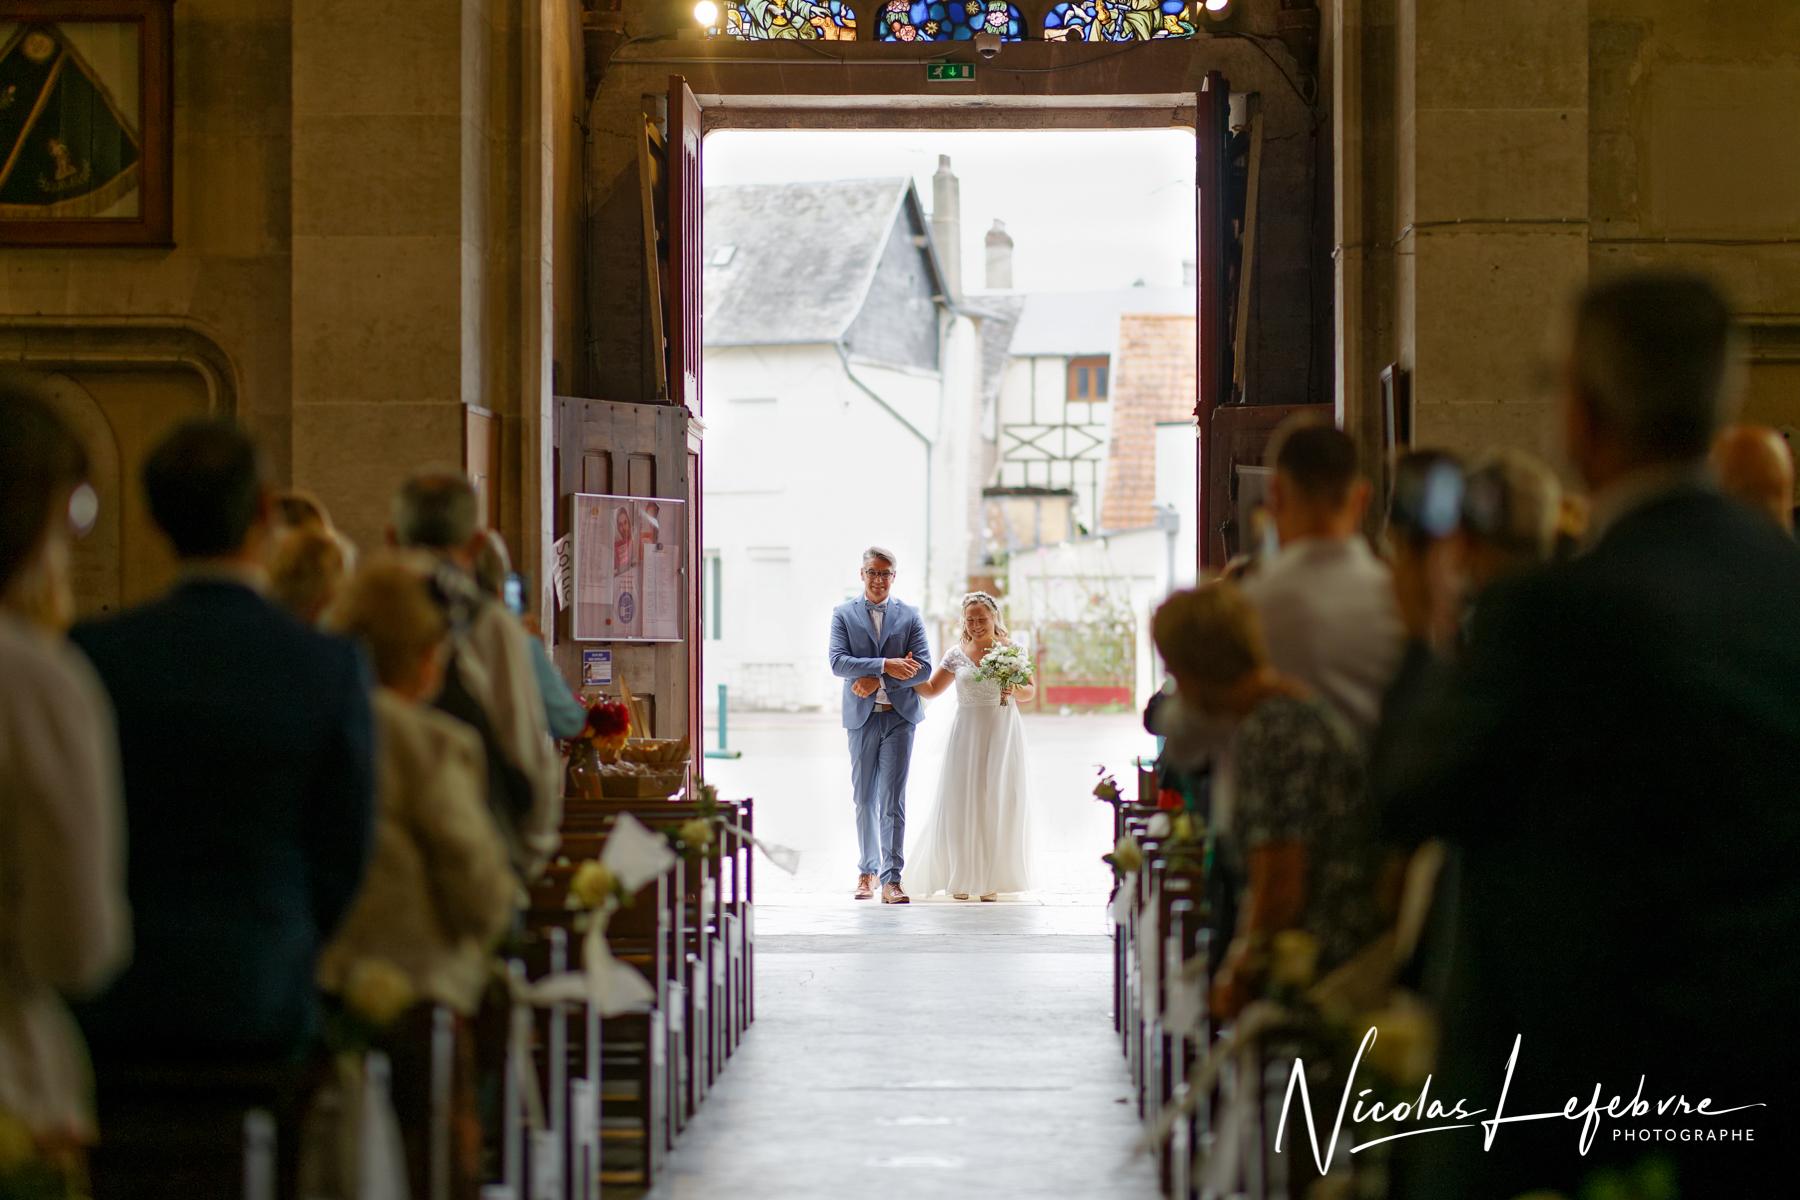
{"x":787,"y":859}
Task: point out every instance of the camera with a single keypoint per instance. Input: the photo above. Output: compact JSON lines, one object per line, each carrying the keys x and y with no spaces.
{"x":1427,"y":503}
{"x":987,"y":44}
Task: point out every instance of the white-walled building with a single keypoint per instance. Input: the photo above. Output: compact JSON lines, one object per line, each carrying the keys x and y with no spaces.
{"x":1052,"y":425}
{"x":840,"y":412}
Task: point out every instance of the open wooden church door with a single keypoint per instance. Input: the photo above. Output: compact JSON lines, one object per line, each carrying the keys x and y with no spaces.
{"x":687,"y":211}
{"x":628,"y":518}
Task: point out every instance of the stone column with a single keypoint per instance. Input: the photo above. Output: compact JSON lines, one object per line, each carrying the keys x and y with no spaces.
{"x":390,"y":231}
{"x":1492,"y":211}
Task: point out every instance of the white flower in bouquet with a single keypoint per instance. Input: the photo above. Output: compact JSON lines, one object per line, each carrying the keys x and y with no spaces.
{"x":1006,"y":665}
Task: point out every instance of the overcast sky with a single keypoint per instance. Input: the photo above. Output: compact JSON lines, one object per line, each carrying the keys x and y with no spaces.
{"x":1086,"y":210}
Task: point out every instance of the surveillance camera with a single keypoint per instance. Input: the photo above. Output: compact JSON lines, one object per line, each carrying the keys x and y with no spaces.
{"x":988,"y":44}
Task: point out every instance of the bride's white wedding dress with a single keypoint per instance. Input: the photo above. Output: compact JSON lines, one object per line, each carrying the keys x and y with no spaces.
{"x":977,"y":840}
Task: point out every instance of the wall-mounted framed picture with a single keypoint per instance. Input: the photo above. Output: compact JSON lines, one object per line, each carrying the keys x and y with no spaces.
{"x":86,"y":123}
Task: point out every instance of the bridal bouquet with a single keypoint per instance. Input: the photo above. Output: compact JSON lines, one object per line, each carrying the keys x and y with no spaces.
{"x":1007,"y":666}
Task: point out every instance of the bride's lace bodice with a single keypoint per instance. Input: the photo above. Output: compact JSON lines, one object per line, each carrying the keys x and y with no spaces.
{"x":971,"y":691}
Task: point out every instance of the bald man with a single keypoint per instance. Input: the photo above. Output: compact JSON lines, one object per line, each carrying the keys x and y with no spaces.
{"x":1755,"y":465}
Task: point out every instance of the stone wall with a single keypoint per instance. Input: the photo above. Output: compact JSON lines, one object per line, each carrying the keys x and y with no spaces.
{"x":1535,"y":144}
{"x":376,"y":228}
{"x":227,"y":279}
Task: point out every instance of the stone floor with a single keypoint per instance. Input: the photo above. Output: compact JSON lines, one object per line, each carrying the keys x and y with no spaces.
{"x":938,"y":1051}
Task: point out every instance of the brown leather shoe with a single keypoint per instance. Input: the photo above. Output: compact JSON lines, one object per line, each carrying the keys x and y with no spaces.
{"x":865,"y":887}
{"x":891,"y":894}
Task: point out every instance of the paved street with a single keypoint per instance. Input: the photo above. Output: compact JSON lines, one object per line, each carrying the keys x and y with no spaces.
{"x":797,"y":766}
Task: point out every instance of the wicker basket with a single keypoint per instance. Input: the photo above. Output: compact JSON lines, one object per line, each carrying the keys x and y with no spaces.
{"x":641,"y":787}
{"x":655,"y":750}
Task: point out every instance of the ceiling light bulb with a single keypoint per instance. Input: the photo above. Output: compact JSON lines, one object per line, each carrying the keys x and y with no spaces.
{"x":707,"y":13}
{"x":1217,"y":6}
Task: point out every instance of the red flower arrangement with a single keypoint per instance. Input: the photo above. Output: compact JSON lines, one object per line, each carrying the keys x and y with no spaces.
{"x":607,"y":717}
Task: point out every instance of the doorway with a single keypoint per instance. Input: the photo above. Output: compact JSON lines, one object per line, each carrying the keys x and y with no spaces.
{"x":912,"y":339}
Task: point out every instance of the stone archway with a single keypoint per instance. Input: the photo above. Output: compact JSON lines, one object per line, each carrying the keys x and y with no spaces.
{"x":119,"y":386}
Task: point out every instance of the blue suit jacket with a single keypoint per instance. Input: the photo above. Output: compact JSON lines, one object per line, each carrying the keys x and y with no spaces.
{"x":247,"y":747}
{"x":855,"y":654}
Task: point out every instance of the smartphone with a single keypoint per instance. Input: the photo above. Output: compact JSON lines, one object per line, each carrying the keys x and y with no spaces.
{"x":1428,"y":495}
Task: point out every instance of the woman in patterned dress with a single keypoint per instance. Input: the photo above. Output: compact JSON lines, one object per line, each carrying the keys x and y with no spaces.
{"x":1301,"y":820}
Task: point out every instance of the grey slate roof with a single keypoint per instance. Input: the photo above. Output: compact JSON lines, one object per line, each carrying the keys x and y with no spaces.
{"x":802,"y":257}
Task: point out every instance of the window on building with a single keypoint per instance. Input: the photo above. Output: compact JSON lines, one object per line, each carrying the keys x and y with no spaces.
{"x":948,"y":20}
{"x":1119,"y":21}
{"x":1087,"y":379}
{"x":712,"y":571}
{"x":790,"y":20}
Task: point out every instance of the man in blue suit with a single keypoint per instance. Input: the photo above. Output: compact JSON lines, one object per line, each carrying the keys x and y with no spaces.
{"x":878,"y":648}
{"x":247,"y":748}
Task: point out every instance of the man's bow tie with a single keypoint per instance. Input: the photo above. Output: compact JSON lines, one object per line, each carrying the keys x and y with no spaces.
{"x":880,"y":608}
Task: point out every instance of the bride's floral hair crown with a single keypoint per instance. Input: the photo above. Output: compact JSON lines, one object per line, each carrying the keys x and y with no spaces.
{"x":989,"y":603}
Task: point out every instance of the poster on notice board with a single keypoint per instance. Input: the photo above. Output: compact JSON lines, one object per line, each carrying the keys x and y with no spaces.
{"x":627,"y":565}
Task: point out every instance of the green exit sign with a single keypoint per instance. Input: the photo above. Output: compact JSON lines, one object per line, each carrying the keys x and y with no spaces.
{"x":949,"y":72}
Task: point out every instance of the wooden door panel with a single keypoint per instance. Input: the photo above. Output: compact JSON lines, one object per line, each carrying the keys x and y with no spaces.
{"x":648,"y":444}
{"x":686,"y":212}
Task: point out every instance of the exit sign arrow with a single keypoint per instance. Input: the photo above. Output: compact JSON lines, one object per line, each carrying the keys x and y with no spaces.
{"x":949,"y":72}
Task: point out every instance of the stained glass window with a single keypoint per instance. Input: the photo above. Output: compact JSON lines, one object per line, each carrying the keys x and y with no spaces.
{"x":948,"y":20}
{"x":790,"y":20}
{"x":1118,"y":21}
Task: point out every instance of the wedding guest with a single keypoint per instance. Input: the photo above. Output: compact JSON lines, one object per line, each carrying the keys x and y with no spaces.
{"x":306,"y":572}
{"x":1326,"y":601}
{"x":1512,"y":504}
{"x":246,"y":741}
{"x":490,"y":682}
{"x":298,"y":509}
{"x":1618,"y":722}
{"x":440,"y":889}
{"x":1754,"y":464}
{"x":564,"y":714}
{"x":65,"y":928}
{"x":1302,"y":821}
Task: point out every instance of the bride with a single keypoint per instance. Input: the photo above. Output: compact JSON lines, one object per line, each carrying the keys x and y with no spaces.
{"x":977,"y":838}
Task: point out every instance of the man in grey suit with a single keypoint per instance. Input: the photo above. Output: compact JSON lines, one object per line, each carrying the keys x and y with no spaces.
{"x":878,"y":648}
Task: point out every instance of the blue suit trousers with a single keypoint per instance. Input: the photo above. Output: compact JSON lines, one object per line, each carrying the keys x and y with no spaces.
{"x":880,"y":753}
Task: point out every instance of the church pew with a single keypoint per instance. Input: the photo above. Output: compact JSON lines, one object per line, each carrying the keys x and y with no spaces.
{"x":719,"y":924}
{"x":629,"y":1054}
{"x":690,"y":934}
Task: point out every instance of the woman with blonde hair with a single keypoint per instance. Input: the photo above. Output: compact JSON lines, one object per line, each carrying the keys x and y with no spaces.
{"x":977,"y":841}
{"x":306,"y":571}
{"x":440,"y":889}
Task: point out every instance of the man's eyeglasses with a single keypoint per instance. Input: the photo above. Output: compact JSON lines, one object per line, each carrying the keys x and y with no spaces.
{"x":878,"y":574}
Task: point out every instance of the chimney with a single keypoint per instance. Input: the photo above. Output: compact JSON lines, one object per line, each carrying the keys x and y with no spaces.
{"x":946,"y":224}
{"x":999,"y":258}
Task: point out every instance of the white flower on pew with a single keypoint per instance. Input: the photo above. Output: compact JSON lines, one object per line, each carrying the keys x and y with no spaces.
{"x":1293,"y":958}
{"x":1405,"y":1047}
{"x":378,"y":991}
{"x":594,"y":886}
{"x":1127,"y":857}
{"x":697,"y":832}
